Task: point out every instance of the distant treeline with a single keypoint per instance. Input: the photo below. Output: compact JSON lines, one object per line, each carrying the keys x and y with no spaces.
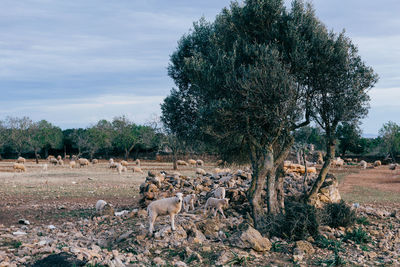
{"x":117,"y":138}
{"x":123,"y":138}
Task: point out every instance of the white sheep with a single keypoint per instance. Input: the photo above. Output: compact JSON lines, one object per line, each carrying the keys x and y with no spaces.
{"x":60,"y":162}
{"x":216,"y":205}
{"x":21,"y":160}
{"x":167,"y":206}
{"x":121,"y":168}
{"x":95,"y":161}
{"x":188,"y":202}
{"x":72,"y":164}
{"x":137,"y":169}
{"x":219,"y":193}
{"x":19,"y":167}
{"x":199,"y":162}
{"x":192,"y":162}
{"x":124,"y":163}
{"x":137,"y":162}
{"x":363,"y":164}
{"x":377,"y":163}
{"x":104,"y":208}
{"x":182,"y":162}
{"x":200,"y":171}
{"x":59,"y":157}
{"x":83,"y":162}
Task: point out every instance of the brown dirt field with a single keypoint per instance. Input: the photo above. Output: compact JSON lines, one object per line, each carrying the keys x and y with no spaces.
{"x":62,"y":193}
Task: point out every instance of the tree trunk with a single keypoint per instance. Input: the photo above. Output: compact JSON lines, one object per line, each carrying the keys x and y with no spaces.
{"x":65,"y":151}
{"x":175,"y":166}
{"x":36,"y":157}
{"x":126,"y":154}
{"x":330,"y":153}
{"x":305,"y":172}
{"x":262,"y":165}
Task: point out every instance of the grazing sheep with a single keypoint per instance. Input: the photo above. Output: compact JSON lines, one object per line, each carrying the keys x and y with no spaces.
{"x":225,"y":170}
{"x":137,"y":169}
{"x":338,"y":162}
{"x":124,"y":163}
{"x":182,"y":162}
{"x":112,"y":164}
{"x":188,"y":202}
{"x":200,"y":171}
{"x":199,"y":162}
{"x":363,"y":164}
{"x":393,"y":166}
{"x":167,"y":206}
{"x":217,"y":205}
{"x":83,"y":162}
{"x":60,"y":162}
{"x":53,"y":161}
{"x":50,"y":157}
{"x":219,"y":193}
{"x":95,"y":161}
{"x":192,"y":162}
{"x":59,"y":157}
{"x":377,"y":163}
{"x":119,"y":168}
{"x":103,"y":208}
{"x":21,"y":160}
{"x":19,"y":167}
{"x":72,"y":164}
{"x":137,"y":162}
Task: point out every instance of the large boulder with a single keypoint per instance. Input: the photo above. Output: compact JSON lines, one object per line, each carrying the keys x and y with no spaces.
{"x":248,"y":237}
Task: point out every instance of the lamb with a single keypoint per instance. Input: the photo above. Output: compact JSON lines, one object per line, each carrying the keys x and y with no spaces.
{"x":60,"y":162}
{"x":53,"y":161}
{"x":188,"y":202}
{"x":104,"y":208}
{"x":59,"y":158}
{"x":219,"y":193}
{"x":83,"y":162}
{"x":363,"y":164}
{"x":112,"y":164}
{"x":181,"y":162}
{"x":192,"y":162}
{"x":19,"y":167}
{"x":200,"y":171}
{"x":137,"y":169}
{"x":199,"y":162}
{"x":121,"y":168}
{"x":124,"y":163}
{"x":21,"y":160}
{"x":95,"y":161}
{"x":137,"y":162}
{"x":377,"y":163}
{"x":217,"y":205}
{"x":167,"y":206}
{"x":72,"y":164}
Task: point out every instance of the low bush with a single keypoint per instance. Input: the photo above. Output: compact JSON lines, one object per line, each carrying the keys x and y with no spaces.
{"x":339,"y":214}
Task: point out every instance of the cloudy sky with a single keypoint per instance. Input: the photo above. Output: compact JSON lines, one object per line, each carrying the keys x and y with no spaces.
{"x":75,"y":62}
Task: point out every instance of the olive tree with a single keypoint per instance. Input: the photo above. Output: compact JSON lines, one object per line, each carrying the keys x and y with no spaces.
{"x":341,"y":81}
{"x":19,"y":138}
{"x":390,"y":134}
{"x":44,"y":135}
{"x":243,"y":86}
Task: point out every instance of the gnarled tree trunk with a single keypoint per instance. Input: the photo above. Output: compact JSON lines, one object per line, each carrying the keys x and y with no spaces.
{"x":330,"y":153}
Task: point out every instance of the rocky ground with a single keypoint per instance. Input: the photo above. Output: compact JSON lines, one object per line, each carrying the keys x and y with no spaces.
{"x":201,"y":240}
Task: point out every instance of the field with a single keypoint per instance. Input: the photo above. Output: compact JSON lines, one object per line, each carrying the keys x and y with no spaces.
{"x":66,"y":197}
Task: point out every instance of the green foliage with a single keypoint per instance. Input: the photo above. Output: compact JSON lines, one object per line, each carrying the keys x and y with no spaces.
{"x":390,"y":134}
{"x":349,"y":135}
{"x":358,"y":235}
{"x":363,"y":220}
{"x":298,"y":222}
{"x":339,"y":214}
{"x":239,"y":260}
{"x":324,"y":242}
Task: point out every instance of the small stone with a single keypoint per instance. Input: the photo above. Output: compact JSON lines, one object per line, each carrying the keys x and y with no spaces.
{"x":158,"y":261}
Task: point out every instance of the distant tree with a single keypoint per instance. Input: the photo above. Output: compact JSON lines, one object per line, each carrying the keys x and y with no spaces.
{"x":3,"y":137}
{"x":390,"y":134}
{"x":126,"y":135}
{"x":99,"y":137}
{"x":19,"y":137}
{"x":80,"y":140}
{"x":349,"y":135}
{"x":44,"y":135}
{"x":341,"y":81}
{"x":310,"y":135}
